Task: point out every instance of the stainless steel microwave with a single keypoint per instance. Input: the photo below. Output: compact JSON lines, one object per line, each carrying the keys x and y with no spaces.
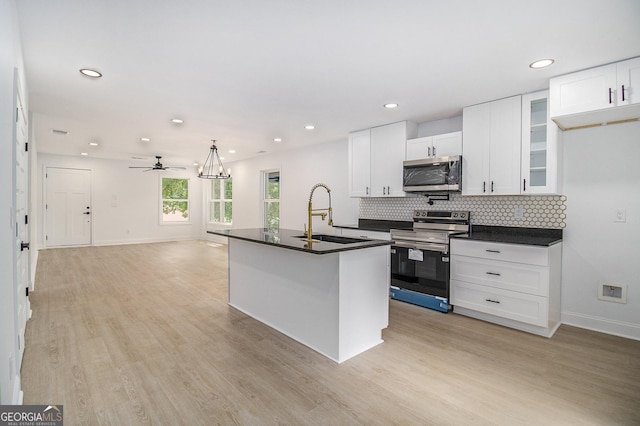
{"x":438,"y":174}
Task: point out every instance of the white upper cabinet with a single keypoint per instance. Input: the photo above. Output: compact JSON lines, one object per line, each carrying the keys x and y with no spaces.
{"x":539,"y":146}
{"x":491,"y":147}
{"x":445,"y":145}
{"x":360,"y":163}
{"x":387,"y":155}
{"x":605,"y":94}
{"x":375,"y":160}
{"x":628,"y":78}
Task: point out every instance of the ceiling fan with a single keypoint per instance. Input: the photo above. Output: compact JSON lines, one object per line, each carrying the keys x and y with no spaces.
{"x":158,"y":166}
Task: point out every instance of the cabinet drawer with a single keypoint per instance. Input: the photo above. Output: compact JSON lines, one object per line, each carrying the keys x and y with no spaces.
{"x":506,"y":275}
{"x":532,"y":255}
{"x":521,"y":307}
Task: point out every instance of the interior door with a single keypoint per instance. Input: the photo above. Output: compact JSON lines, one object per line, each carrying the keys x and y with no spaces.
{"x":67,"y":207}
{"x":22,"y":280}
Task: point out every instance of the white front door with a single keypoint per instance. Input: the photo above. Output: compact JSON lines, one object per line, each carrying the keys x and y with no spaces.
{"x":22,"y":281}
{"x":67,"y":207}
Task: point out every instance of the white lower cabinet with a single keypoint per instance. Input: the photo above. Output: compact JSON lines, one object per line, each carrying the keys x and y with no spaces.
{"x":513,"y":285}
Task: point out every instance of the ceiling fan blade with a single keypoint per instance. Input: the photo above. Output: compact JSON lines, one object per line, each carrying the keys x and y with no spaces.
{"x":138,"y":167}
{"x":175,"y":168}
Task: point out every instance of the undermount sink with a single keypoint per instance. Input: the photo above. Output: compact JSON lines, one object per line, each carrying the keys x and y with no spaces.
{"x":332,"y":239}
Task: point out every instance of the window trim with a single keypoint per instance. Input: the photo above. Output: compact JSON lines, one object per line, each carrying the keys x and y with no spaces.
{"x":161,"y":200}
{"x":222,"y":200}
{"x":263,"y":199}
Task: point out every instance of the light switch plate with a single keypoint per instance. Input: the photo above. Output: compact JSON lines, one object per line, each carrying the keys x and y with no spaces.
{"x":620,"y":215}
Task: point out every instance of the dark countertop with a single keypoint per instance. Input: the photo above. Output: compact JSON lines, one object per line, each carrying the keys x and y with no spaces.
{"x":513,"y":235}
{"x":288,"y":239}
{"x":378,"y":225}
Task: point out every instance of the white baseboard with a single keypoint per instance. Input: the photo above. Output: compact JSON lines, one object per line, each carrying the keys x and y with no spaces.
{"x":34,"y":265}
{"x":602,"y":325}
{"x":18,"y":396}
{"x":216,"y":239}
{"x":142,"y":241}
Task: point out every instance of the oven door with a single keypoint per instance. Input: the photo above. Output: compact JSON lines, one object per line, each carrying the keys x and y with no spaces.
{"x":423,"y":268}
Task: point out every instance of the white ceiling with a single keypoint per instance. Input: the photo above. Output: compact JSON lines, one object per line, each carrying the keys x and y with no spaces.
{"x":244,"y":72}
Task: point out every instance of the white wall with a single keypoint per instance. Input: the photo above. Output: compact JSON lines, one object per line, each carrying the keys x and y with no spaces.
{"x":602,"y":173}
{"x":438,"y":127}
{"x":125,"y":202}
{"x":300,"y":169}
{"x":10,"y":59}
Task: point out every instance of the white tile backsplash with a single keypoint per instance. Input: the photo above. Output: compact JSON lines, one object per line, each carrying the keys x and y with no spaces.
{"x":540,"y":211}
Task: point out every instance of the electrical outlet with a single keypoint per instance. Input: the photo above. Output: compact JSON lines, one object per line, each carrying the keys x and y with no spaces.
{"x":620,"y":215}
{"x":518,"y":212}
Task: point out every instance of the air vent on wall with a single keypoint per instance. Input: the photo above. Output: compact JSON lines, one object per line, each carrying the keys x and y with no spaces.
{"x":59,"y":132}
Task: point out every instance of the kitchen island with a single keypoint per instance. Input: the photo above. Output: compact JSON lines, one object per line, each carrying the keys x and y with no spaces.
{"x":331,"y":295}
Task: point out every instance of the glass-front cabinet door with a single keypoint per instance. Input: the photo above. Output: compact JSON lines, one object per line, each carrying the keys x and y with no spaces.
{"x":539,"y":162}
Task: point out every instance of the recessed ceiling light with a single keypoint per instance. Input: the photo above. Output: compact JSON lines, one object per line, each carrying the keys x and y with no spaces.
{"x":391,"y":106}
{"x":145,"y":139}
{"x":60,"y":132}
{"x":93,"y":144}
{"x":232,"y":151}
{"x":542,"y":63}
{"x":221,"y":158}
{"x":84,"y":153}
{"x":177,"y":121}
{"x":309,"y":127}
{"x":195,"y":164}
{"x":277,"y":140}
{"x":90,"y":73}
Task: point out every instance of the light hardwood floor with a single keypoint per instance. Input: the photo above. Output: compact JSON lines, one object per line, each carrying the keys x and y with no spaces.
{"x":142,"y":334}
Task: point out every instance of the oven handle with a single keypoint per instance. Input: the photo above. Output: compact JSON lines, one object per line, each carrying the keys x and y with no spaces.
{"x":443,"y":248}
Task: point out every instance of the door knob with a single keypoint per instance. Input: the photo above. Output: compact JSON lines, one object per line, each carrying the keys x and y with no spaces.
{"x":86,"y":213}
{"x":24,"y":246}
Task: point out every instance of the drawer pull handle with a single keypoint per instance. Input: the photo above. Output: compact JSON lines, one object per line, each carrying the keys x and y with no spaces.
{"x":493,"y":273}
{"x":492,"y":301}
{"x":492,"y":251}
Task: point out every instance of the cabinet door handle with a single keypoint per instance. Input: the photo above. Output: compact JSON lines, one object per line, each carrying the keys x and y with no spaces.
{"x":493,"y":273}
{"x":388,"y":190}
{"x":492,"y":301}
{"x":623,"y":93}
{"x":367,"y":190}
{"x":610,"y":94}
{"x":491,"y":186}
{"x":434,"y":151}
{"x":484,"y":186}
{"x":492,"y":251}
{"x":429,"y":151}
{"x":524,"y":185}
{"x":383,"y":191}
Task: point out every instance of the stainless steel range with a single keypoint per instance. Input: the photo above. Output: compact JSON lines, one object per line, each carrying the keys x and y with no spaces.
{"x":420,"y":258}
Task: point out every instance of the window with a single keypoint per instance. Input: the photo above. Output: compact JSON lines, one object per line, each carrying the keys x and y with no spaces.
{"x":175,"y":200}
{"x":271,"y":195}
{"x":220,"y":208}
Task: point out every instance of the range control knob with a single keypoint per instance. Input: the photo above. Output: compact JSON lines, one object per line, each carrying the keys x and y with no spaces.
{"x":462,"y":215}
{"x":455,"y":214}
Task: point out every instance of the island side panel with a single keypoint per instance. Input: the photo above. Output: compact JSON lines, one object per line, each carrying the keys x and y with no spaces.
{"x":364,"y":299}
{"x":293,"y":292}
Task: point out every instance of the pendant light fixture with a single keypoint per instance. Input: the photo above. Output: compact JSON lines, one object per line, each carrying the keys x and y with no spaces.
{"x":212,"y":167}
